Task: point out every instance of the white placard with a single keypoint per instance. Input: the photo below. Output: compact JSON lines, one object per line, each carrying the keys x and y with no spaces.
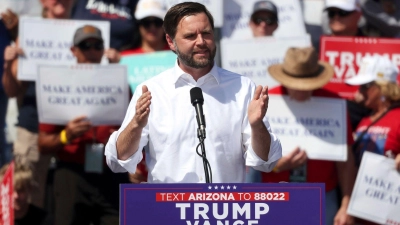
{"x":214,"y":6}
{"x":313,"y":10}
{"x":48,"y":42}
{"x":318,"y":125}
{"x":252,"y":57}
{"x":99,"y":92}
{"x":376,"y":193}
{"x":22,"y":7}
{"x":237,"y":16}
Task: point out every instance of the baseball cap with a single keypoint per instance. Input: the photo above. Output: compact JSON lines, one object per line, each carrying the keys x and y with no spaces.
{"x":375,"y":68}
{"x":265,"y":6}
{"x":86,"y":32}
{"x":347,"y":5}
{"x":146,"y":8}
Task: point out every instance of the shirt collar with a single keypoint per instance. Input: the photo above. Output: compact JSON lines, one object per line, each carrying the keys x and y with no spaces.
{"x":178,"y":73}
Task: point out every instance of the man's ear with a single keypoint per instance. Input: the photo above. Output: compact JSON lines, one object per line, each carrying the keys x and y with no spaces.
{"x":73,"y":50}
{"x":170,"y":42}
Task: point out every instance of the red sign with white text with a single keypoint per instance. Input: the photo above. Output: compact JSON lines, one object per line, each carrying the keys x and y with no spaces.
{"x":6,"y":197}
{"x":345,"y":54}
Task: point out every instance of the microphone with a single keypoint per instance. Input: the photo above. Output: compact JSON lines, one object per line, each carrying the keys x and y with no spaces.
{"x":196,"y":97}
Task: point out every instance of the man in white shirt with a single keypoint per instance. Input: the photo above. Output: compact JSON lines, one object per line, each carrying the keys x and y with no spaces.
{"x":161,"y":118}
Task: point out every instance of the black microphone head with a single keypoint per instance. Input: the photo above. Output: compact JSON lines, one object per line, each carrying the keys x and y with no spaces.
{"x":196,"y":96}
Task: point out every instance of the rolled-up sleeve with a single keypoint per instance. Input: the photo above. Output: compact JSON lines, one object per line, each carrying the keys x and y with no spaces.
{"x":253,"y":160}
{"x":128,"y":165}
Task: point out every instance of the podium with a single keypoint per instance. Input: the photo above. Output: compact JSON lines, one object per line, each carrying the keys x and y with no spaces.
{"x":222,"y":204}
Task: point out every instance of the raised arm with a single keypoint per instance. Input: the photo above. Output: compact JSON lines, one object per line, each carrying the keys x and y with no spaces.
{"x":128,"y":140}
{"x":12,"y":86}
{"x":260,"y":137}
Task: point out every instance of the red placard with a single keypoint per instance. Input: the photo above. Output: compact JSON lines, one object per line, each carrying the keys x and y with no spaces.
{"x":345,"y":54}
{"x":6,"y":197}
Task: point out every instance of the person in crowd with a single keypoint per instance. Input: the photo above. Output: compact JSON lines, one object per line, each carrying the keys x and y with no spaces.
{"x":8,"y":24}
{"x":382,"y":17}
{"x":263,"y":22}
{"x":150,"y":15}
{"x":162,"y":119}
{"x":380,"y":131}
{"x":81,"y":196}
{"x":25,"y":145}
{"x":119,"y":13}
{"x":344,"y":16}
{"x":294,"y":75}
{"x":264,"y":19}
{"x":24,"y":212}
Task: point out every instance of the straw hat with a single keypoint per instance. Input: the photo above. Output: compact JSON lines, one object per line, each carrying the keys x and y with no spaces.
{"x":301,"y":70}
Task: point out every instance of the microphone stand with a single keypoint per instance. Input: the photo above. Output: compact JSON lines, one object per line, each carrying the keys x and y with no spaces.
{"x":206,"y":164}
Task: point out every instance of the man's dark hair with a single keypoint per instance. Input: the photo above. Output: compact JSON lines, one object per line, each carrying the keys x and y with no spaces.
{"x":177,"y":12}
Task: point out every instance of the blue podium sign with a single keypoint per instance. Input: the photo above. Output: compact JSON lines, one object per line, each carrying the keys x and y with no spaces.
{"x":222,"y":204}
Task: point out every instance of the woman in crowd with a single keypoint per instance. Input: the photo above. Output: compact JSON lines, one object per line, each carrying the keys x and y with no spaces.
{"x":379,"y":91}
{"x":150,"y":15}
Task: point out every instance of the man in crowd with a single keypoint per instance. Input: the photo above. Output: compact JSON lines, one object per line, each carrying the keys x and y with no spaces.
{"x":344,"y":16}
{"x":161,"y":118}
{"x":299,"y":86}
{"x":264,"y":19}
{"x":25,"y":213}
{"x":82,"y":197}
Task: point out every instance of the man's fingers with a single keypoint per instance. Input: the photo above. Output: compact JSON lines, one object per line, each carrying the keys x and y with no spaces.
{"x":265,"y":90}
{"x":79,"y":118}
{"x":257,"y":92}
{"x":144,"y":89}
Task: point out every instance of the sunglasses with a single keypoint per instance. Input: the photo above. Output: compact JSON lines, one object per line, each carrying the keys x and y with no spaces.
{"x":340,"y":13}
{"x":84,"y":46}
{"x":268,"y":20}
{"x":367,"y":86}
{"x":146,"y":23}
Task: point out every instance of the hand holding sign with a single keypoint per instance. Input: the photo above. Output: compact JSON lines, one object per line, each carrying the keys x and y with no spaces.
{"x":342,"y":218}
{"x":258,"y":106}
{"x":76,"y":127}
{"x":143,"y":108}
{"x":112,"y":55}
{"x":11,"y":53}
{"x":293,"y":160}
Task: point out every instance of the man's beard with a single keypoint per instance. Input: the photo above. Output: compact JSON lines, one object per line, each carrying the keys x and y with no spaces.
{"x":189,"y":60}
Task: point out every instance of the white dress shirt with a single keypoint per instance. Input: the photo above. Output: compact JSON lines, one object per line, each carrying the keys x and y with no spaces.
{"x":170,"y":137}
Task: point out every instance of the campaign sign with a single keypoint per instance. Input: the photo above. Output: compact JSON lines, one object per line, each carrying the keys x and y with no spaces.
{"x":99,"y":92}
{"x":319,"y":126}
{"x":251,"y":58}
{"x":345,"y":54}
{"x":376,"y":193}
{"x":142,"y":67}
{"x":237,"y":15}
{"x":215,"y":8}
{"x":7,"y":196}
{"x":21,"y":7}
{"x":222,"y":204}
{"x":48,"y":42}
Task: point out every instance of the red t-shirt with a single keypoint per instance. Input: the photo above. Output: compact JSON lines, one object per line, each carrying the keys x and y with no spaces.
{"x":382,"y":138}
{"x":139,"y":50}
{"x":318,"y":171}
{"x":74,"y":152}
